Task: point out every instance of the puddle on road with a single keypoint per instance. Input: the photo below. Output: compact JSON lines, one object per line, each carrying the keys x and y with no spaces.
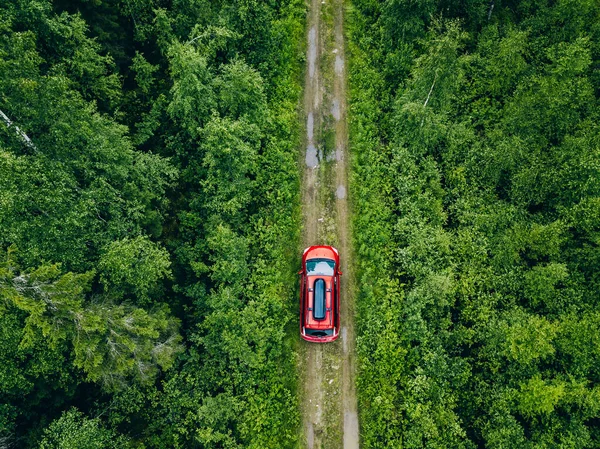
{"x":335,"y":109}
{"x":336,"y":155}
{"x":339,"y":64}
{"x":341,"y":192}
{"x":350,"y":430}
{"x":312,"y":51}
{"x":310,"y":126}
{"x":312,"y":157}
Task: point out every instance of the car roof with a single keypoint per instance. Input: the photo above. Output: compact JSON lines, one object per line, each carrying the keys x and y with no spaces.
{"x":321,"y":285}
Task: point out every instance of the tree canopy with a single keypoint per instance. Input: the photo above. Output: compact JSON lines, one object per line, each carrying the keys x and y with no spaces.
{"x":476,"y":177}
{"x":148,"y":184}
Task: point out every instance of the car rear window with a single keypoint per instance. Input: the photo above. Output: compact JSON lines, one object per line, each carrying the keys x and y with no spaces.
{"x":319,"y":300}
{"x":323,"y":267}
{"x":319,"y":332}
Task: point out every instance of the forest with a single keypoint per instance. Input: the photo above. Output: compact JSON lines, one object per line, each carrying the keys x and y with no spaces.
{"x":150,"y":222}
{"x":149,"y":216}
{"x":476,"y":185}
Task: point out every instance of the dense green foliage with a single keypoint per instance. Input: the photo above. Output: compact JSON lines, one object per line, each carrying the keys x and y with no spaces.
{"x":75,"y":431}
{"x":148,"y":222}
{"x":475,"y":128}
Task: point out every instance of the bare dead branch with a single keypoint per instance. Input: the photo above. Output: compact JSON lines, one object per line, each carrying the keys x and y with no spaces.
{"x":492,"y":3}
{"x":430,"y":91}
{"x":24,"y":137}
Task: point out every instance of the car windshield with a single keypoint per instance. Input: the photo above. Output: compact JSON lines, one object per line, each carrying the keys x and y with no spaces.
{"x":323,"y":267}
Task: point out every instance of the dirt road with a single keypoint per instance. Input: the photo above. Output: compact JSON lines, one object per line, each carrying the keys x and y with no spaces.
{"x":329,"y":409}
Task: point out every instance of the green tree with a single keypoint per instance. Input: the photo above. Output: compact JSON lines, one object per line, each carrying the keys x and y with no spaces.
{"x":133,"y":268}
{"x":74,"y":430}
{"x":111,"y":343}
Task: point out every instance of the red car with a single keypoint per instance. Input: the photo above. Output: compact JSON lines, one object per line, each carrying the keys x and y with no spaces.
{"x":320,"y":294}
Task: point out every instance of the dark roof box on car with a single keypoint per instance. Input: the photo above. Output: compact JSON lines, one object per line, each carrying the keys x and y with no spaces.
{"x":319,"y":300}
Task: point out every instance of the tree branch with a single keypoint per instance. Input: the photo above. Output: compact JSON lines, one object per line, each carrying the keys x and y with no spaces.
{"x":24,"y":137}
{"x":492,"y":3}
{"x":430,"y":91}
{"x":428,"y":97}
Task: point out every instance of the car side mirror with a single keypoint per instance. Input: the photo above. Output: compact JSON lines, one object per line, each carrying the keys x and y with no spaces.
{"x":301,"y":271}
{"x":340,"y":272}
